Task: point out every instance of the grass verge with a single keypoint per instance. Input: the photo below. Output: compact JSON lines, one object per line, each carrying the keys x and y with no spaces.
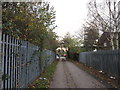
{"x":45,"y":78}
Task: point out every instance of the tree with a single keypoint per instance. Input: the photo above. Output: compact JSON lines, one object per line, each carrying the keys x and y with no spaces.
{"x":107,"y":19}
{"x":91,"y":34}
{"x":51,"y":41}
{"x":73,"y":45}
{"x":33,"y":22}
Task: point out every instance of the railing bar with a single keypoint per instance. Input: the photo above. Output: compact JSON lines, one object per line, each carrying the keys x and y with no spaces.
{"x":20,"y":73}
{"x":6,"y":64}
{"x":15,"y":63}
{"x":3,"y":60}
{"x":13,"y":83}
{"x":9,"y":70}
{"x":12,"y":63}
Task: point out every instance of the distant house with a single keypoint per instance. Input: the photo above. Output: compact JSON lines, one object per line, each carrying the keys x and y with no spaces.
{"x":61,"y":50}
{"x":104,"y":41}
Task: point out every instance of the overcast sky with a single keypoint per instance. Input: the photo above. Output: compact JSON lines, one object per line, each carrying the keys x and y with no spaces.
{"x":70,"y":15}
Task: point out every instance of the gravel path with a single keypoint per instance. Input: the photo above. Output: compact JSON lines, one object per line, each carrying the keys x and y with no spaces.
{"x":68,"y":75}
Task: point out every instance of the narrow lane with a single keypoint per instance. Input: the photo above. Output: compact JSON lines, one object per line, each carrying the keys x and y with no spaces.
{"x":68,"y":75}
{"x":59,"y":79}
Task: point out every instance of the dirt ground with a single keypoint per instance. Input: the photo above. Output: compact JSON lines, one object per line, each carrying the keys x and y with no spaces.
{"x":68,"y":75}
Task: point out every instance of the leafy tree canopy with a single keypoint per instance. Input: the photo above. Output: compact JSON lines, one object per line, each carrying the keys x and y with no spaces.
{"x":31,"y":21}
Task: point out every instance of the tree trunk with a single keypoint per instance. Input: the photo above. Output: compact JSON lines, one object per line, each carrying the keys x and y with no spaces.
{"x":117,"y":41}
{"x":112,"y":41}
{"x":113,"y":48}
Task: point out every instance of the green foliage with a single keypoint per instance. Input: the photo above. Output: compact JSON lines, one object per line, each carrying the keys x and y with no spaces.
{"x":74,"y":46}
{"x":33,"y":22}
{"x":82,"y":49}
{"x":72,"y":43}
{"x":5,"y":77}
{"x":47,"y":74}
{"x":91,"y":34}
{"x":51,"y":42}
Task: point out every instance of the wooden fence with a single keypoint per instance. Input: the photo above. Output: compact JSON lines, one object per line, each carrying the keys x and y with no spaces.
{"x":107,"y":61}
{"x":21,"y":62}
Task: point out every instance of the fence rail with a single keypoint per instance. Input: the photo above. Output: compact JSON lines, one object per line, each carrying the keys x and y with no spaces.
{"x":107,"y":61}
{"x":21,"y":62}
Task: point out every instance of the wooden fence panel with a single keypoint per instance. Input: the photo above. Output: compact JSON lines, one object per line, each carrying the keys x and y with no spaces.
{"x":107,"y":61}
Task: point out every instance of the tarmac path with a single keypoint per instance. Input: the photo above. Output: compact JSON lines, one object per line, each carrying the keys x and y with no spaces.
{"x":68,"y":75}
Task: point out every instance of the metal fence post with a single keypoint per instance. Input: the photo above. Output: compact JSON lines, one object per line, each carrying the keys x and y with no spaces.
{"x":0,"y":44}
{"x":0,"y":60}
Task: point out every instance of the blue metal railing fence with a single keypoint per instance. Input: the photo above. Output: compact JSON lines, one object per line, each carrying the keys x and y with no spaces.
{"x":21,"y":62}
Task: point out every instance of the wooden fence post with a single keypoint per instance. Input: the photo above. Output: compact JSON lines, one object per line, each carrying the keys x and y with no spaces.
{"x":0,"y":44}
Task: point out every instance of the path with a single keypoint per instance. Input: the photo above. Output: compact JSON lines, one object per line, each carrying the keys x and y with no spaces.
{"x":68,"y":75}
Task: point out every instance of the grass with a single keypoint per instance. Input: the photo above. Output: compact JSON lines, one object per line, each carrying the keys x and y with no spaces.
{"x":48,"y":74}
